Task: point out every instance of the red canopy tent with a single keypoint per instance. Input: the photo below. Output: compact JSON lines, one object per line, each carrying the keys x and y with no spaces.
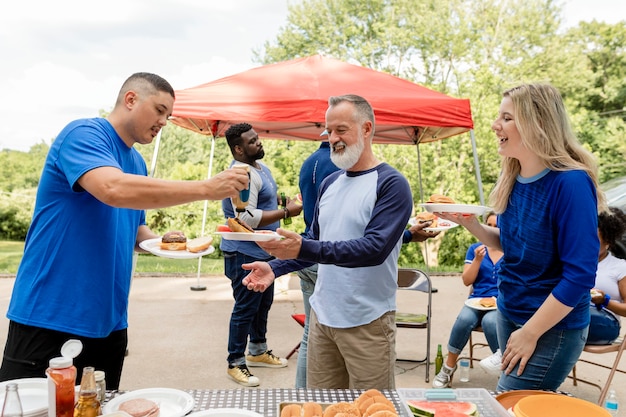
{"x":288,"y":100}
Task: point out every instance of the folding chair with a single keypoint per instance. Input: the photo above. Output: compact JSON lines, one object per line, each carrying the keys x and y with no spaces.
{"x":618,"y":346}
{"x":299,"y":318}
{"x":473,"y":345}
{"x":416,"y":280}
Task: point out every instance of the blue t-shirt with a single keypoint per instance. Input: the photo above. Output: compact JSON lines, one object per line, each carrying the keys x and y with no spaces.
{"x":549,"y":235}
{"x":76,"y":270}
{"x":486,"y":283}
{"x":356,"y":238}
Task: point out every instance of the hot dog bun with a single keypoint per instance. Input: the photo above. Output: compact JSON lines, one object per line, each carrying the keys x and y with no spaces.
{"x":199,"y":244}
{"x":238,"y":225}
{"x":440,"y":199}
{"x":174,"y":240}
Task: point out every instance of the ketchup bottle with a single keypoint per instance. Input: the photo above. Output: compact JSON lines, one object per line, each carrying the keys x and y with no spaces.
{"x":62,"y":379}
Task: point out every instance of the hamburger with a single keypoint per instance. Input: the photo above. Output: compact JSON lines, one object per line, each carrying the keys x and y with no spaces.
{"x":424,"y":217}
{"x":487,"y":302}
{"x":237,"y":225}
{"x":140,"y":407}
{"x":174,"y":240}
{"x":440,"y":199}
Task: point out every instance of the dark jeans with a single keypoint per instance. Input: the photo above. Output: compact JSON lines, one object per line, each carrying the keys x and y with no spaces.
{"x":29,"y":349}
{"x":249,"y":316}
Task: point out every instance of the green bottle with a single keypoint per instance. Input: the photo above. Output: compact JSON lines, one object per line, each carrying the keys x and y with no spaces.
{"x":283,"y":201}
{"x":438,"y":360}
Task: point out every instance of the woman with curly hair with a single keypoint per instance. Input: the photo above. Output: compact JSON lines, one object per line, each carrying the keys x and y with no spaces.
{"x":609,"y":295}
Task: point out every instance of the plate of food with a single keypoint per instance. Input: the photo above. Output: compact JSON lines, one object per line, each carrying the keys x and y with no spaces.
{"x":454,"y":208}
{"x":484,"y":303}
{"x":149,"y":402}
{"x":175,"y":245}
{"x":437,"y":225}
{"x":256,"y":236}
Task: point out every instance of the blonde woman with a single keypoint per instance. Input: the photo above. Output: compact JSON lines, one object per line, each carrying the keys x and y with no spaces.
{"x":547,"y":200}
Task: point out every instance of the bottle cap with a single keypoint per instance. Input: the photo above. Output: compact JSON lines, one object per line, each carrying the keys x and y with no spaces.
{"x":71,"y":348}
{"x":99,"y":375}
{"x":60,"y":362}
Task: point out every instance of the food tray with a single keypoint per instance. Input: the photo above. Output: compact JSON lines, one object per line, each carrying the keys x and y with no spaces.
{"x":486,"y":404}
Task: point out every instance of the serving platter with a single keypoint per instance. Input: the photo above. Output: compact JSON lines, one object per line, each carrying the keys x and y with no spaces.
{"x":225,"y":412}
{"x":172,"y":402}
{"x":153,"y":246}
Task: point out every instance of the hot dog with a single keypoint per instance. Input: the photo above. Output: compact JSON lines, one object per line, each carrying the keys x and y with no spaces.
{"x":238,"y":225}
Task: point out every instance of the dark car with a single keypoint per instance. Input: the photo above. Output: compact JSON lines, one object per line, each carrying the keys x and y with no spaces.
{"x":615,"y":191}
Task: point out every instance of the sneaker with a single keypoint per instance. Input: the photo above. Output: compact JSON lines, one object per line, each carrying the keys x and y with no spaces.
{"x":267,"y":359}
{"x":241,"y":375}
{"x":492,"y":364}
{"x":444,"y":377}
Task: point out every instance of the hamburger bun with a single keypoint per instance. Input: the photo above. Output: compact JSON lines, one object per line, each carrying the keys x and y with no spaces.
{"x":425,"y":216}
{"x":174,"y":240}
{"x":369,"y":397}
{"x":199,"y":244}
{"x":440,"y":199}
{"x":238,"y":225}
{"x":342,"y":408}
{"x":311,"y":409}
{"x":291,"y":410}
{"x":384,"y":413}
{"x":487,"y":302}
{"x":378,"y":407}
{"x":140,"y":407}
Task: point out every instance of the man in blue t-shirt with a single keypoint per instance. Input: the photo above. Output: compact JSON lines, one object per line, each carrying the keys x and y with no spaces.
{"x":74,"y":278}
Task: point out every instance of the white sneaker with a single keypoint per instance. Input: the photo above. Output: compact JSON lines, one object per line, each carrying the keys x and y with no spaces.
{"x":492,"y":364}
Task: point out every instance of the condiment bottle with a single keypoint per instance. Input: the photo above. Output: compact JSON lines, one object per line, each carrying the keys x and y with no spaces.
{"x":88,"y":404}
{"x":62,"y":379}
{"x":12,"y":406}
{"x":241,"y":200}
{"x":438,"y":360}
{"x":101,"y":387}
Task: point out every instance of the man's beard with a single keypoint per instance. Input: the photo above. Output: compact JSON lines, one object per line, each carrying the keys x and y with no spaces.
{"x":350,"y":154}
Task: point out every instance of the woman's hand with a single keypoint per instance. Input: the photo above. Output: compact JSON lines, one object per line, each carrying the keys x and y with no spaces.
{"x":519,"y":348}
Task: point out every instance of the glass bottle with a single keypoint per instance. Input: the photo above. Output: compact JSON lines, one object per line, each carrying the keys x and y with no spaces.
{"x":611,"y":404}
{"x":283,"y":203}
{"x":464,"y":367}
{"x":100,"y":385}
{"x":438,"y":360}
{"x":12,"y":406}
{"x":88,"y":404}
{"x":61,"y":381}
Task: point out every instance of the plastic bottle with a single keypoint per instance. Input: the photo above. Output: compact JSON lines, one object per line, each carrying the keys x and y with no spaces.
{"x":12,"y":406}
{"x":100,"y":385}
{"x":611,"y":404}
{"x":438,"y":360}
{"x":62,"y":379}
{"x":283,"y":202}
{"x":88,"y":404}
{"x":464,"y":368}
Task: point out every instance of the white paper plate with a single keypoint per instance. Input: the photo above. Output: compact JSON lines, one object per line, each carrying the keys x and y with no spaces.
{"x":172,"y":402}
{"x":475,"y":304}
{"x":455,"y":208}
{"x":226,"y":412}
{"x":33,"y":395}
{"x":250,"y":237}
{"x":153,"y":246}
{"x":442,"y":225}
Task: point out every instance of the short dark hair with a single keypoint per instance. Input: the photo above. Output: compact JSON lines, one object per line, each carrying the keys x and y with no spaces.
{"x":612,"y":225}
{"x":147,"y":82}
{"x":233,"y":134}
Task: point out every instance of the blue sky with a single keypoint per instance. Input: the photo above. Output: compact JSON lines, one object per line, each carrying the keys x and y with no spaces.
{"x":63,"y":61}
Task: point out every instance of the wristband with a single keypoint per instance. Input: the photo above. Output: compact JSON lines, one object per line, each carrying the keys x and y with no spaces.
{"x":287,"y":214}
{"x":604,"y":303}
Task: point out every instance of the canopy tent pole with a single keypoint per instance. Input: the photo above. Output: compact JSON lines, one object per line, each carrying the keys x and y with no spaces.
{"x":419,"y":176}
{"x":199,"y":287}
{"x":477,"y":168}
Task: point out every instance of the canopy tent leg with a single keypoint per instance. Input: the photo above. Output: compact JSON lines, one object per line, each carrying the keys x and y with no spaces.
{"x":477,"y":168}
{"x":199,"y":287}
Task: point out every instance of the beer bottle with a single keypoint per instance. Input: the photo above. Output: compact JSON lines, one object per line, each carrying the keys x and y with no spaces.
{"x":88,"y":404}
{"x":438,"y":360}
{"x":283,"y":202}
{"x":12,"y":406}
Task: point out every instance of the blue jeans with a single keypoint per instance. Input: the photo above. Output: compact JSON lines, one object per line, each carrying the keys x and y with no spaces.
{"x":553,"y":359}
{"x":308,"y":277}
{"x":604,"y":327}
{"x":249,"y":315}
{"x":466,"y":321}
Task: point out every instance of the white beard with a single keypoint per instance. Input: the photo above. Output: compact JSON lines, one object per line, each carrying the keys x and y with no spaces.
{"x":350,"y":154}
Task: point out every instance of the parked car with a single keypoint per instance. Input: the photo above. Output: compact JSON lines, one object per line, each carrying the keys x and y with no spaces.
{"x":615,"y":191}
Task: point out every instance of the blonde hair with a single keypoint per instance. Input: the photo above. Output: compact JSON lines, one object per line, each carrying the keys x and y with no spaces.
{"x":542,"y":121}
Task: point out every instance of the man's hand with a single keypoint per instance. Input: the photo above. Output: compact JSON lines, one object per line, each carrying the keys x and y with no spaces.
{"x":260,"y":277}
{"x":287,"y":248}
{"x":420,"y":235}
{"x":227,"y":184}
